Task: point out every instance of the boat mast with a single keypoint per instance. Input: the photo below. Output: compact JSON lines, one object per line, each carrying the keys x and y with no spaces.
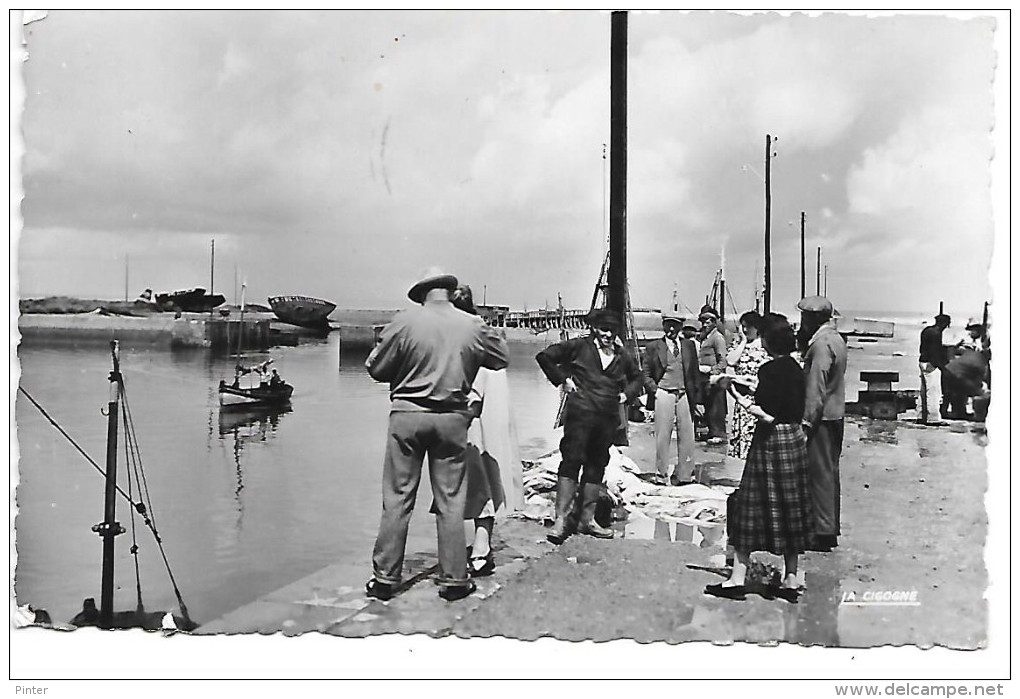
{"x":767,"y":291}
{"x":802,"y":288}
{"x":109,"y":527}
{"x":240,"y":335}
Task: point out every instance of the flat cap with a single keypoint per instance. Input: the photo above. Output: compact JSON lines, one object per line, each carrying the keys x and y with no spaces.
{"x":815,"y":304}
{"x":692,"y":323}
{"x":672,"y":317}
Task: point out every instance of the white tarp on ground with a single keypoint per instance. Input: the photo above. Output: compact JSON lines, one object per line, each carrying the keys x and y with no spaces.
{"x":690,"y":504}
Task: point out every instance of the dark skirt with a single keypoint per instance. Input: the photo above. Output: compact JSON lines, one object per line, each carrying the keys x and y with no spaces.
{"x":771,"y":510}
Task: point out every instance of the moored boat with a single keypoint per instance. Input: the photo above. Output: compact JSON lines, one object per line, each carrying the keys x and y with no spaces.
{"x":191,"y":301}
{"x":254,"y":386}
{"x":304,"y":311}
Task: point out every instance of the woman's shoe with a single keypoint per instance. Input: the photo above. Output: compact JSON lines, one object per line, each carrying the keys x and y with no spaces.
{"x":790,"y":594}
{"x":482,"y":567}
{"x":379,"y":590}
{"x":452,"y":593}
{"x":736,"y":592}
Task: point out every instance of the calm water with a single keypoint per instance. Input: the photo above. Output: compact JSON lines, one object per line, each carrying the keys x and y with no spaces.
{"x":244,"y":504}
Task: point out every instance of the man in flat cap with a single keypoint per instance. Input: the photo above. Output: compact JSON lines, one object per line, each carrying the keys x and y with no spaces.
{"x":712,"y":360}
{"x":598,"y":375}
{"x":671,"y":376}
{"x":824,"y":410}
{"x":430,"y":356}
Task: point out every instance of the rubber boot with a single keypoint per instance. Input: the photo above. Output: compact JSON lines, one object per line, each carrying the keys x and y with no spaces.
{"x":563,"y":527}
{"x":588,"y":525}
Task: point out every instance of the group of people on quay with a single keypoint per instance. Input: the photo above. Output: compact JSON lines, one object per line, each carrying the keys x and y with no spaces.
{"x":446,"y":371}
{"x":952,"y":378}
{"x":789,"y":395}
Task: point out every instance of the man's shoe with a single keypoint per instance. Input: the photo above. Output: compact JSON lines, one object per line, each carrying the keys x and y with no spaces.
{"x":452,"y":593}
{"x":379,"y":590}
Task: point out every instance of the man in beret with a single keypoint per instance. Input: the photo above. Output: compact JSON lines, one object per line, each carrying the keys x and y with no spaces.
{"x":932,"y":360}
{"x":430,"y":356}
{"x":824,"y":410}
{"x":712,"y":360}
{"x":599,"y":375}
{"x":671,"y":377}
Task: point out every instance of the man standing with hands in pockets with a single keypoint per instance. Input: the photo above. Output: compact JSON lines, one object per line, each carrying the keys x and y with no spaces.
{"x":671,"y":375}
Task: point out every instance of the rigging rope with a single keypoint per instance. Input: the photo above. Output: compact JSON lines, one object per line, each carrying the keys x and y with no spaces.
{"x":141,"y":508}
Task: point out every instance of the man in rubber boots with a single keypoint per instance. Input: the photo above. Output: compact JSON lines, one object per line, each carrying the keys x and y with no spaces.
{"x":598,"y":374}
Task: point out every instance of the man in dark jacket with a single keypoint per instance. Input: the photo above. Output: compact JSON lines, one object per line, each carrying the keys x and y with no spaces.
{"x":598,"y":375}
{"x":932,"y":360}
{"x":671,"y":376}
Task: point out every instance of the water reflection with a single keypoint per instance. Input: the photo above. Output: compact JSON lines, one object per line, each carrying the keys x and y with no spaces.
{"x":244,"y":427}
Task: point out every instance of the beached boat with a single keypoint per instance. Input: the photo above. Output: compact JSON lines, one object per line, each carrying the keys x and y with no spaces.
{"x":304,"y":311}
{"x":191,"y":301}
{"x":253,"y":386}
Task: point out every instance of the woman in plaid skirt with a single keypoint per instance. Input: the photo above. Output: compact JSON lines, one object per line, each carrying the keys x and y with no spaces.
{"x":771,"y":510}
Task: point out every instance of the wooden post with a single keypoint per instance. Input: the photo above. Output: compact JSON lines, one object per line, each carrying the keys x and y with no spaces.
{"x":802,"y":271}
{"x":825,"y":281}
{"x":818,"y":273}
{"x":942,"y":308}
{"x":767,"y":291}
{"x":617,"y":275}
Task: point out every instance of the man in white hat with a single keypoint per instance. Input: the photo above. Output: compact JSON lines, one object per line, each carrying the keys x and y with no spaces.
{"x":671,"y":377}
{"x":430,"y":356}
{"x":824,"y":411}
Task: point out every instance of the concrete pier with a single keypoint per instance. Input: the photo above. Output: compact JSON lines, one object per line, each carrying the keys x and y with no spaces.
{"x":900,"y":481}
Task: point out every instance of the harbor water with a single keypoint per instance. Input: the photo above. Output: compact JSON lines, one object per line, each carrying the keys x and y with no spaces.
{"x":244,"y":503}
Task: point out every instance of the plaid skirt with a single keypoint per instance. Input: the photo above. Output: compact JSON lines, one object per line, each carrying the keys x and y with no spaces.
{"x":771,"y":510}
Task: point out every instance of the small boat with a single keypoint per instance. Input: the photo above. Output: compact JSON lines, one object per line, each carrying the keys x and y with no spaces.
{"x":303,"y":311}
{"x":191,"y":301}
{"x":253,"y":386}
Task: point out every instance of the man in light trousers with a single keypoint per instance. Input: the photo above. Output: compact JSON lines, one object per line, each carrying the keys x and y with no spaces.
{"x":671,"y":376}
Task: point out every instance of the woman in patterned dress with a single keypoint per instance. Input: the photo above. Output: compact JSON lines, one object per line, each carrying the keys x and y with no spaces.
{"x":746,"y":358}
{"x":771,"y":510}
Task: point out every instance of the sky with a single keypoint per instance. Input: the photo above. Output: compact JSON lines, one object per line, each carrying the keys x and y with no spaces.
{"x":341,"y":154}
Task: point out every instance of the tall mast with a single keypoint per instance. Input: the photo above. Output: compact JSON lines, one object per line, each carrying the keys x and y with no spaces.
{"x":802,"y":288}
{"x":818,"y":273}
{"x":722,"y":284}
{"x":768,"y":223}
{"x":617,"y":293}
{"x":110,"y":527}
{"x":240,"y":335}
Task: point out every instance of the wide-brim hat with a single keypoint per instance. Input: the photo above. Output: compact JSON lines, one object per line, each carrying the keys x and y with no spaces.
{"x":815,"y":304}
{"x":433,"y":278}
{"x":671,"y":317}
{"x":974,"y":323}
{"x":603,"y":318}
